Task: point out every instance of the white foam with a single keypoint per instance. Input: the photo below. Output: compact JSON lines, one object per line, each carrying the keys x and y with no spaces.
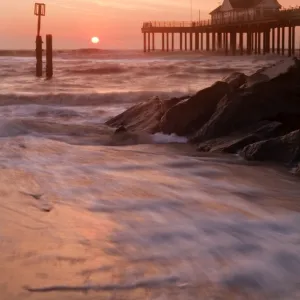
{"x":160,"y":138}
{"x":279,"y":68}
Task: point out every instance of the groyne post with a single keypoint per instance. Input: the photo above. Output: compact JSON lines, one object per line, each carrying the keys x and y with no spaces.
{"x":49,"y":56}
{"x":39,"y":11}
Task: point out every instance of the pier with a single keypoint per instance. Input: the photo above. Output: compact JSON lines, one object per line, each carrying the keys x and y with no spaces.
{"x":270,"y":32}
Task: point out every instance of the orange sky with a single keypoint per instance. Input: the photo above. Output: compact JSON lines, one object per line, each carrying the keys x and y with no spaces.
{"x":74,"y":22}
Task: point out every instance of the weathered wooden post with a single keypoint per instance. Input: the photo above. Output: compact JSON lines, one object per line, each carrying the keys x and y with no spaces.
{"x":39,"y":11}
{"x":49,"y":57}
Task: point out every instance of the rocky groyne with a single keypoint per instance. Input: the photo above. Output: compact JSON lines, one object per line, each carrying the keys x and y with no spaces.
{"x":256,"y":116}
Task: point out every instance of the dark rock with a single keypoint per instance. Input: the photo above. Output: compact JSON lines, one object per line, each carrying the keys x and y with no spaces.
{"x":144,"y":116}
{"x":238,"y":140}
{"x":236,"y":80}
{"x":190,"y":114}
{"x":121,"y":129}
{"x":275,"y":100}
{"x":285,"y":149}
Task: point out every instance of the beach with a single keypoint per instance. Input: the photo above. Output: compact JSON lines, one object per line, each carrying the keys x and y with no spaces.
{"x":85,"y":214}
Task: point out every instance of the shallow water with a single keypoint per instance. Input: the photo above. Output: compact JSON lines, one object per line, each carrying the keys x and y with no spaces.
{"x":142,"y":218}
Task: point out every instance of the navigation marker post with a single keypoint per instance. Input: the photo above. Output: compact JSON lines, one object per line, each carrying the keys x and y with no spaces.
{"x":39,"y":11}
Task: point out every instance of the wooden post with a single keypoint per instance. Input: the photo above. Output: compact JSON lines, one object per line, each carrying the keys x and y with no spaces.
{"x":289,"y":41}
{"x":214,"y":41}
{"x":197,"y":41}
{"x":49,"y":56}
{"x":207,"y":41}
{"x":167,"y":41}
{"x":259,"y":42}
{"x":145,"y":42}
{"x":172,"y":41}
{"x":191,"y":41}
{"x":226,"y":42}
{"x":278,"y":40}
{"x":273,"y":40}
{"x":219,"y":40}
{"x":241,"y":43}
{"x":185,"y":41}
{"x":149,"y":42}
{"x":180,"y":40}
{"x":293,"y":40}
{"x":39,"y":11}
{"x":283,"y":41}
{"x":201,"y":42}
{"x":153,"y":41}
{"x":39,"y":56}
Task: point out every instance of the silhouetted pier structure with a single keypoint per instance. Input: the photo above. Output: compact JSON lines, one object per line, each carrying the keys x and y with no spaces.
{"x":273,"y":32}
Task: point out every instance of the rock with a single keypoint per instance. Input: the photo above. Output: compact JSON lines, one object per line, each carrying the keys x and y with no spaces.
{"x":274,"y":100}
{"x":238,"y":140}
{"x":190,"y":114}
{"x":144,"y":116}
{"x":235,"y":80}
{"x":120,"y":129}
{"x":284,"y":149}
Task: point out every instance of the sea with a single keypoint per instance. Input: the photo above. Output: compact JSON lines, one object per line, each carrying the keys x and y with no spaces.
{"x":91,"y":217}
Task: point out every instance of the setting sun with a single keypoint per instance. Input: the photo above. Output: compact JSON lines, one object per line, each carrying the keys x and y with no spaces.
{"x":95,"y":40}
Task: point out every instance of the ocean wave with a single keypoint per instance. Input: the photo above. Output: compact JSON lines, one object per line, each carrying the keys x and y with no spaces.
{"x":100,"y":71}
{"x":88,"y":99}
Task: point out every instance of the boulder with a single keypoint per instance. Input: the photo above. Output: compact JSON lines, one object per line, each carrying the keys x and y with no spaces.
{"x":188,"y":115}
{"x":144,"y":116}
{"x":236,"y":80}
{"x":238,"y":140}
{"x":275,"y":100}
{"x":284,"y":149}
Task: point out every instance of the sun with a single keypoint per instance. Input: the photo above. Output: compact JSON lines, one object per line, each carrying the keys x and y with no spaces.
{"x":95,"y":40}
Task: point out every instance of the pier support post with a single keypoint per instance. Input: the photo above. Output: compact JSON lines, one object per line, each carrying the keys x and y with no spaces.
{"x":172,"y":41}
{"x":255,"y":42}
{"x":273,"y":40}
{"x":207,"y":41}
{"x":163,"y":41}
{"x":153,"y":41}
{"x":197,"y":41}
{"x":168,"y":42}
{"x":233,"y":42}
{"x":191,"y":41}
{"x":214,"y":41}
{"x":241,"y":43}
{"x":289,"y":41}
{"x":293,"y":40}
{"x":219,"y":41}
{"x":259,"y":42}
{"x":201,"y":42}
{"x":180,"y":41}
{"x":283,"y":41}
{"x":145,"y":42}
{"x":49,"y":56}
{"x":226,"y":42}
{"x":185,"y":41}
{"x":149,"y":42}
{"x":249,"y":43}
{"x":278,"y":40}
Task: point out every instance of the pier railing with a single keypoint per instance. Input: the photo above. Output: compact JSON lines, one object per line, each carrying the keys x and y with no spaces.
{"x":290,"y":14}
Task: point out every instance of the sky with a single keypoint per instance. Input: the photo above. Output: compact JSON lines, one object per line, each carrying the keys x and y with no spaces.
{"x":117,"y":23}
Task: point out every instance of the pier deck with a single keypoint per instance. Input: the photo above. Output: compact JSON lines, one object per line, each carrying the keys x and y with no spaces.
{"x":271,"y":33}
